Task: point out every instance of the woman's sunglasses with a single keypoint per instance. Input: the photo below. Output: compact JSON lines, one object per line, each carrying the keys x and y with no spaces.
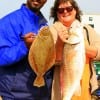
{"x":68,"y":9}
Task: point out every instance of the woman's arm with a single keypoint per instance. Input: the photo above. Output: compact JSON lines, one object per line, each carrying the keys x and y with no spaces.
{"x":92,"y":50}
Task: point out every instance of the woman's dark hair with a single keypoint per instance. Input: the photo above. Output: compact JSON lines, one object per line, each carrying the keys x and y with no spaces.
{"x":53,"y":13}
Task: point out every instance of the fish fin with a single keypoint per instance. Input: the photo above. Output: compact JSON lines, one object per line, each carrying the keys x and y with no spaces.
{"x":39,"y":81}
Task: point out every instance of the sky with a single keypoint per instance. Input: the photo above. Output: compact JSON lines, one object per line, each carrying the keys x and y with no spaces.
{"x":87,"y":6}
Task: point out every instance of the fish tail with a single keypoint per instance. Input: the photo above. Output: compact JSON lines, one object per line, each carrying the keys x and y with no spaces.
{"x":39,"y":81}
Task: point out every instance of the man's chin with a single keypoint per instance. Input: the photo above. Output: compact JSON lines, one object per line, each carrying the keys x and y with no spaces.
{"x":35,"y":9}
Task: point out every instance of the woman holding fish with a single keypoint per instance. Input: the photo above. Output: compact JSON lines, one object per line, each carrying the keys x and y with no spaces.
{"x":67,"y":24}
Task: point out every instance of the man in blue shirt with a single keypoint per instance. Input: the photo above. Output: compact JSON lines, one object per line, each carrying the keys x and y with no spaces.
{"x":16,"y":32}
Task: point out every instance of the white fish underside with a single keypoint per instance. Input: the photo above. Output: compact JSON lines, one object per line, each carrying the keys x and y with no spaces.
{"x":71,"y":70}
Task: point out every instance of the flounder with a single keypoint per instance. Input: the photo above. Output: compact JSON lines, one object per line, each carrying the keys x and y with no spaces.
{"x":42,"y":55}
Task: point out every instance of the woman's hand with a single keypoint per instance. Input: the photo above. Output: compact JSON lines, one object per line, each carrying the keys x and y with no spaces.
{"x":63,"y":35}
{"x":91,"y":51}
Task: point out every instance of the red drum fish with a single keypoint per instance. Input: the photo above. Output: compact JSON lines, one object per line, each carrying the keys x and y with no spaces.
{"x":42,"y":55}
{"x":70,"y":71}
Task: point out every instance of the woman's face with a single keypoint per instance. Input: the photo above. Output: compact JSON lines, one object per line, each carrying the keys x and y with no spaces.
{"x":66,"y":13}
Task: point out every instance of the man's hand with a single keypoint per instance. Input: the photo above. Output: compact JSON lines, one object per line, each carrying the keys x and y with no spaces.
{"x":29,"y":38}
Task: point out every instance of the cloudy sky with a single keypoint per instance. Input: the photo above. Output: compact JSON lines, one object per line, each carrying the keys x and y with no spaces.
{"x":87,"y":6}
